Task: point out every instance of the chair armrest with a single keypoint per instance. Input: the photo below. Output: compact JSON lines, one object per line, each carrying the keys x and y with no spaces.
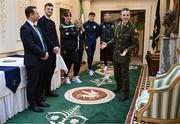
{"x":142,"y":100}
{"x":160,"y":75}
{"x":159,"y":89}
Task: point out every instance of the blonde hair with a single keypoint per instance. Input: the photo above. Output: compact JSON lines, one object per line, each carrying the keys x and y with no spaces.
{"x":79,"y":20}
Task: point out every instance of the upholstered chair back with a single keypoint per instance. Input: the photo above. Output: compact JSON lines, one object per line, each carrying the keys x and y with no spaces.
{"x":164,"y":99}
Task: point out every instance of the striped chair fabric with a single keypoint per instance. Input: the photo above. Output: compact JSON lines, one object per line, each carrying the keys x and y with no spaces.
{"x":165,"y":104}
{"x":166,"y":79}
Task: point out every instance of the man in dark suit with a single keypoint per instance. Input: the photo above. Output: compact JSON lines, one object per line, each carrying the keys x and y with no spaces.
{"x":35,"y":55}
{"x":125,"y":42}
{"x":48,"y":29}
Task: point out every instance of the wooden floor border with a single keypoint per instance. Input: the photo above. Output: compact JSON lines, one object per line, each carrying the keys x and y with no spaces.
{"x":130,"y":115}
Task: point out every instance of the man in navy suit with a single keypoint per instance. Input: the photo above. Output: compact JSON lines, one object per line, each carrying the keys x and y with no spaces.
{"x":35,"y":55}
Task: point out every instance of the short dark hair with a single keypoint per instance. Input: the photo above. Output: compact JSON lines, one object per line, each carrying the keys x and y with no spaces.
{"x":29,"y":10}
{"x":48,"y":4}
{"x":124,"y":9}
{"x":92,"y":13}
{"x":67,"y":13}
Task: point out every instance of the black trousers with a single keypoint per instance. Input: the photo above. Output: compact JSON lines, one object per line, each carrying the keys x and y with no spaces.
{"x":35,"y":80}
{"x":78,"y":64}
{"x":50,"y":67}
{"x":107,"y":52}
{"x":70,"y":57}
{"x":121,"y":75}
{"x":90,"y":54}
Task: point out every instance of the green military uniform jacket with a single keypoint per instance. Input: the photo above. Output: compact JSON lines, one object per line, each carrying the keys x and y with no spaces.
{"x":124,"y":38}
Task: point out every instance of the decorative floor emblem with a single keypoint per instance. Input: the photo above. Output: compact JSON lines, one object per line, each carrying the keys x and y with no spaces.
{"x":89,"y":95}
{"x":106,"y":79}
{"x":107,"y":74}
{"x":103,"y":80}
{"x":71,"y":116}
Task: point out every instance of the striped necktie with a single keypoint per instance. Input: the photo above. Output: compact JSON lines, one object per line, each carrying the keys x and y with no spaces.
{"x":40,"y":37}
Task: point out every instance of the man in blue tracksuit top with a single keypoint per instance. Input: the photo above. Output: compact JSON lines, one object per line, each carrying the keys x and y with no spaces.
{"x":91,"y":34}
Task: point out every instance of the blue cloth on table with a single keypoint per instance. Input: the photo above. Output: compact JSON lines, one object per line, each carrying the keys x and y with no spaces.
{"x":17,"y":55}
{"x":12,"y":77}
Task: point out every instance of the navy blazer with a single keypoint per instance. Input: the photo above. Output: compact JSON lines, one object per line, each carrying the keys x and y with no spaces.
{"x":33,"y":49}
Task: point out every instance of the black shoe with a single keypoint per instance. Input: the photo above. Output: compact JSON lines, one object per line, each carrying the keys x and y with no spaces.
{"x":123,"y":98}
{"x":116,"y":90}
{"x":52,"y":94}
{"x":43,"y":99}
{"x":35,"y":108}
{"x":43,"y":104}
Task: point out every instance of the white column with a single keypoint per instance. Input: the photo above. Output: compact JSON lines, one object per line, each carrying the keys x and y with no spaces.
{"x":87,"y":8}
{"x":171,"y":4}
{"x":40,"y":6}
{"x":167,"y":53}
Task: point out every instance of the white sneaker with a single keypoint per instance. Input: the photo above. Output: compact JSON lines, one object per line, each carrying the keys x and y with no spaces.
{"x":67,"y":80}
{"x":76,"y":79}
{"x":91,"y":72}
{"x":105,"y":68}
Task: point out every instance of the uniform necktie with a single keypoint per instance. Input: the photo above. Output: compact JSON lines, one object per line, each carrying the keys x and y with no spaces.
{"x":122,"y":26}
{"x":39,"y":35}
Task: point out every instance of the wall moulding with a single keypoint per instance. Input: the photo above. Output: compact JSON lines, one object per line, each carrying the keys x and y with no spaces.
{"x":3,"y":20}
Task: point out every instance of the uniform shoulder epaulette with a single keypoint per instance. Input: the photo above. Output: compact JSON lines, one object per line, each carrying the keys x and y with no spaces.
{"x":135,"y":28}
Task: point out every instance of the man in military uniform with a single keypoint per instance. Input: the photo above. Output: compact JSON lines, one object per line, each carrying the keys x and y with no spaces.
{"x":106,"y":33}
{"x":125,"y":42}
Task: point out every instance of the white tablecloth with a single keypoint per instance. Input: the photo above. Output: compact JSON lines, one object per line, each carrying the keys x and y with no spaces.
{"x":12,"y":103}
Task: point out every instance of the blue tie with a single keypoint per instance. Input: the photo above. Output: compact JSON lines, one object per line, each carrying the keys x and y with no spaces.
{"x":40,"y":37}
